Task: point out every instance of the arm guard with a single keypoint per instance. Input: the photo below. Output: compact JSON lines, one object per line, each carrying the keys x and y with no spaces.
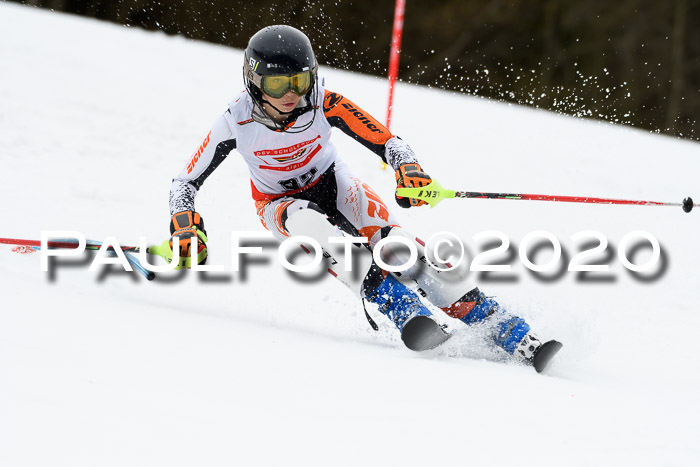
{"x":212,"y":152}
{"x":362,"y":127}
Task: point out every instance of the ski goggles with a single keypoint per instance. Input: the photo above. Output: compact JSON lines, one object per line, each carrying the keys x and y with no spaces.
{"x":277,"y":86}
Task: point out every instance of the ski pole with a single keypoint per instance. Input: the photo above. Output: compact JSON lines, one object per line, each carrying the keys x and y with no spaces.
{"x":69,"y":243}
{"x":136,"y":264}
{"x":433,"y":193}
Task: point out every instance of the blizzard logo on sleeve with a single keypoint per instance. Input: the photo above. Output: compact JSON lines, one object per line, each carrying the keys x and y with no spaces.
{"x":198,"y":154}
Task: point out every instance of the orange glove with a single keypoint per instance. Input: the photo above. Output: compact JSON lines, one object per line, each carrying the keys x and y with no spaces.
{"x":185,"y":226}
{"x":411,"y":176}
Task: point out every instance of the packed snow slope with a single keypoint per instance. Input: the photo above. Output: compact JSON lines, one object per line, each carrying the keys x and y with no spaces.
{"x":107,"y":369}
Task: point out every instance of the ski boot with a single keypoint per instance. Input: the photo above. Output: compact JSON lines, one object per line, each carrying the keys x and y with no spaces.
{"x":532,"y":350}
{"x":401,"y":305}
{"x":512,"y":332}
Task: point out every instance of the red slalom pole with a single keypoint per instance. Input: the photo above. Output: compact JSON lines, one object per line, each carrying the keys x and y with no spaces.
{"x":396,"y":34}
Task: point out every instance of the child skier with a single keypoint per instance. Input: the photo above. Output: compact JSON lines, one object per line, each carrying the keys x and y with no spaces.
{"x":281,"y":125}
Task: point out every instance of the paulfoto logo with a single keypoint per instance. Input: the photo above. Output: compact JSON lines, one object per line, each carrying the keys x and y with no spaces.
{"x":443,"y":251}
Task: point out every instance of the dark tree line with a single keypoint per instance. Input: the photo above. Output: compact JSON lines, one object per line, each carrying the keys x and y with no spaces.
{"x":635,"y":62}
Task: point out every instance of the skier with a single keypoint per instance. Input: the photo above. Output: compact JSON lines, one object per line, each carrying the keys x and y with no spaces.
{"x":281,"y":125}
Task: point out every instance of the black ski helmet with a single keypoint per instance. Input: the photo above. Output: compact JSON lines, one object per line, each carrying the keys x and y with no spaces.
{"x":279,"y":50}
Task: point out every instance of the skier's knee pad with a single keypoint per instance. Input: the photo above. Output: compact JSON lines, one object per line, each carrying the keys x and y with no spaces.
{"x":313,"y":223}
{"x":442,"y":288}
{"x":274,"y":213}
{"x":296,"y":205}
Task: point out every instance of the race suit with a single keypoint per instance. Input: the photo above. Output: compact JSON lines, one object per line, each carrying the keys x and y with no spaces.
{"x":290,"y":170}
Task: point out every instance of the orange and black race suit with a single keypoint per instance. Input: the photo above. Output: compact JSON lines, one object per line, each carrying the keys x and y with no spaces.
{"x":286,"y":166}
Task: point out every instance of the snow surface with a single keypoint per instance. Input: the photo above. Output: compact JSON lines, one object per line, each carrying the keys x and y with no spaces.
{"x":111,"y":370}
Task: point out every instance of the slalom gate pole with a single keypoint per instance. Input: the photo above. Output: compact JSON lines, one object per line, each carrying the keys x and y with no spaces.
{"x":433,"y":193}
{"x":394,"y":55}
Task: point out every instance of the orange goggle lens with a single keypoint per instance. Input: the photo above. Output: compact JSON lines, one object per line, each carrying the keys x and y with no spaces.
{"x":278,"y":86}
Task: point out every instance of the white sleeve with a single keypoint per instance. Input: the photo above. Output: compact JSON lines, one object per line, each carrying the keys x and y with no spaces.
{"x":397,"y":152}
{"x":220,"y":141}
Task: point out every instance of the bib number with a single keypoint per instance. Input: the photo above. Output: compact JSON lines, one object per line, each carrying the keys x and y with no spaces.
{"x":299,"y":182}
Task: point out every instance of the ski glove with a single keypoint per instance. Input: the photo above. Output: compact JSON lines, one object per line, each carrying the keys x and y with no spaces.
{"x":185,"y":226}
{"x":411,"y":176}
